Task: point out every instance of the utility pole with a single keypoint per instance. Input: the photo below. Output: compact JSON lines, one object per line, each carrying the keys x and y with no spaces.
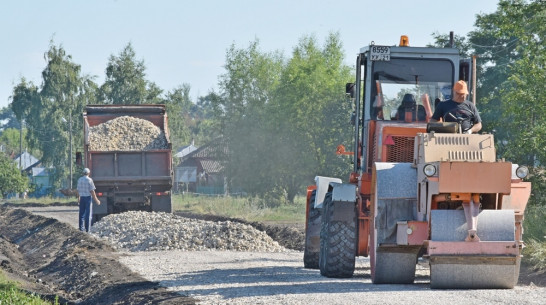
{"x":70,"y":157}
{"x":21,"y":145}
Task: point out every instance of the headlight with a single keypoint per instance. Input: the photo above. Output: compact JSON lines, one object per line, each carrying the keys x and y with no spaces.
{"x":522,"y":172}
{"x":429,"y":170}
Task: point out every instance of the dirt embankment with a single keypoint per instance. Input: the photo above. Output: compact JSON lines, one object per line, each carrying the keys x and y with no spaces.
{"x":53,"y":258}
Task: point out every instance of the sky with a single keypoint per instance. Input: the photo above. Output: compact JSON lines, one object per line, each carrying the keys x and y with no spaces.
{"x":185,"y":42}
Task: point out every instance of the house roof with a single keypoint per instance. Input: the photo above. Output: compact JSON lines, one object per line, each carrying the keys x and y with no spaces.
{"x":27,"y":161}
{"x":207,"y":157}
{"x":186,"y":150}
{"x":211,"y":166}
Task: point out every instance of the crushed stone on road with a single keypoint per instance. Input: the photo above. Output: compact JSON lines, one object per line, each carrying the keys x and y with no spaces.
{"x":154,"y":231}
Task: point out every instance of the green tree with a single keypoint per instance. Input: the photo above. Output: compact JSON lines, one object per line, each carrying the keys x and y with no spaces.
{"x":11,"y":178}
{"x":282,"y":120}
{"x":52,"y":113}
{"x":126,"y":82}
{"x":204,"y":126}
{"x":310,"y":115}
{"x":247,"y":86}
{"x":11,"y":139}
{"x":178,"y":103}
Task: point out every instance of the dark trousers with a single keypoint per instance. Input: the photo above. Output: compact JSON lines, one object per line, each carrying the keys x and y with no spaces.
{"x":85,"y":213}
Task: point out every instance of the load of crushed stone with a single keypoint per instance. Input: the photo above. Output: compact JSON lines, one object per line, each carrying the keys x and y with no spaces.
{"x":126,"y":133}
{"x":154,"y":231}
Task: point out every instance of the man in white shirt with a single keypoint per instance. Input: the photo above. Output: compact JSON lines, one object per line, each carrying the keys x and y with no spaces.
{"x":86,"y":191}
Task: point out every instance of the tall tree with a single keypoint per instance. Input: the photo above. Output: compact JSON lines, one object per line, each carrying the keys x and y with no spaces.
{"x":11,"y":141}
{"x":204,"y":127}
{"x":52,"y":114}
{"x":282,"y":120}
{"x":178,"y":103}
{"x":310,"y":115}
{"x":247,"y":86}
{"x":126,"y":82}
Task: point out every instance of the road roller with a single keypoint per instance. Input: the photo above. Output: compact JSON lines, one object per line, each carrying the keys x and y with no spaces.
{"x":418,"y":189}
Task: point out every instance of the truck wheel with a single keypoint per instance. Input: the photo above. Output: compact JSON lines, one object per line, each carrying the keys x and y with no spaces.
{"x":338,"y":242}
{"x":312,"y":235}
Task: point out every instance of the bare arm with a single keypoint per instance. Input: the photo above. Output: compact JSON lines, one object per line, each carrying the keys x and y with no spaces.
{"x":477,"y":127}
{"x":94,"y":195}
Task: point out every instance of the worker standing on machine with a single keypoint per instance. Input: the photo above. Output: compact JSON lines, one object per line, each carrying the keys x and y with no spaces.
{"x":459,"y":109}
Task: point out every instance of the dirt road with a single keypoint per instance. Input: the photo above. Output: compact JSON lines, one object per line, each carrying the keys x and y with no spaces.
{"x":226,"y":277}
{"x":279,"y":278}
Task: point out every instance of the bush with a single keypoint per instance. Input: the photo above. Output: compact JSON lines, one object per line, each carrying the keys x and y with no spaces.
{"x":534,"y":226}
{"x":534,"y":254}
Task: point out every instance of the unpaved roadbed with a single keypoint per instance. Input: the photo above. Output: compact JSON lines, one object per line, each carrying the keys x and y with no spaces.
{"x":227,"y":277}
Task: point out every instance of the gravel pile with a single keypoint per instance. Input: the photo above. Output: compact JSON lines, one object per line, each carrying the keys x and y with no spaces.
{"x":126,"y":133}
{"x":154,"y":231}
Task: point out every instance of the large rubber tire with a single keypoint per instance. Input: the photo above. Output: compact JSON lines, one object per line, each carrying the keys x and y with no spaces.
{"x":312,"y":235}
{"x":338,"y":242}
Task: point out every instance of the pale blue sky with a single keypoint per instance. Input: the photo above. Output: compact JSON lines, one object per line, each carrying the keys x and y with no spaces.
{"x":186,"y":41}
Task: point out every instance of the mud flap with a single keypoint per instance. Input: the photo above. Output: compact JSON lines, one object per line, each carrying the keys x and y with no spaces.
{"x":395,"y":200}
{"x":162,"y":203}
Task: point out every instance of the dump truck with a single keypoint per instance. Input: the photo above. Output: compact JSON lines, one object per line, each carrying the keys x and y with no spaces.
{"x":128,"y":151}
{"x":419,"y":190}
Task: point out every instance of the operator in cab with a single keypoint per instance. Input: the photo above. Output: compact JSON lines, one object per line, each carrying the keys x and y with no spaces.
{"x":459,"y":109}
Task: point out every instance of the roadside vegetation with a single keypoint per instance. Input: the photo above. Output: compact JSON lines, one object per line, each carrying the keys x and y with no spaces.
{"x":534,"y":254}
{"x":10,"y":293}
{"x":246,"y":208}
{"x":46,"y":200}
{"x":256,"y":209}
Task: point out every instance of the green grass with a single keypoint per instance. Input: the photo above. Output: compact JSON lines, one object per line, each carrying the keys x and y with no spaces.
{"x":250,"y":209}
{"x":534,"y":234}
{"x":534,"y":224}
{"x":42,"y":200}
{"x":534,"y":254}
{"x":11,"y":294}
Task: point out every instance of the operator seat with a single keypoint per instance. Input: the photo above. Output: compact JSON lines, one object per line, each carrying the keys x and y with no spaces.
{"x":408,"y":107}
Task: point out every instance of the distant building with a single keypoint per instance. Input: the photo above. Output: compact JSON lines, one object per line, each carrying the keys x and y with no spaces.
{"x":38,"y":175}
{"x":200,"y":171}
{"x":26,"y":161}
{"x":186,"y":150}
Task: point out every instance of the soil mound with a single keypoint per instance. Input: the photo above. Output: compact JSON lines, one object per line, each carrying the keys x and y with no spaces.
{"x":53,"y":258}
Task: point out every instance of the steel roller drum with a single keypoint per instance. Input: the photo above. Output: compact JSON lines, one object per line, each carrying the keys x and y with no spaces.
{"x":462,"y":271}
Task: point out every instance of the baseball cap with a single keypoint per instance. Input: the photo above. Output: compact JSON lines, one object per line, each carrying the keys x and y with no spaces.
{"x":460,"y":87}
{"x":86,"y":171}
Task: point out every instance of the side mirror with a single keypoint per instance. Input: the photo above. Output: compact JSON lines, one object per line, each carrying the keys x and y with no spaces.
{"x":350,"y":89}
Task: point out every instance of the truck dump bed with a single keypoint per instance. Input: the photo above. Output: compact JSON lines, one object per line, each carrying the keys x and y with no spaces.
{"x":127,"y":178}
